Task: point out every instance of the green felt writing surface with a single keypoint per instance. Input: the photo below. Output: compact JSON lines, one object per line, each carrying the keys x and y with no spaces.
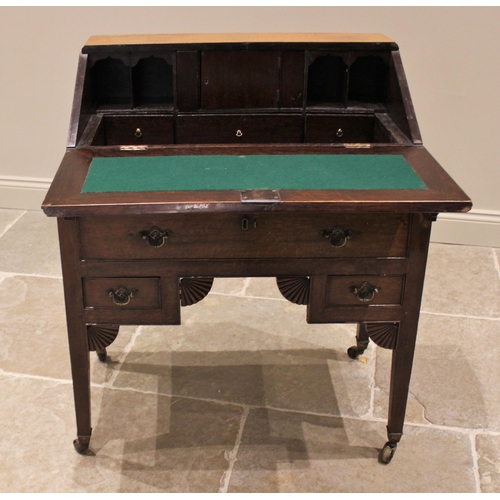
{"x":228,"y":172}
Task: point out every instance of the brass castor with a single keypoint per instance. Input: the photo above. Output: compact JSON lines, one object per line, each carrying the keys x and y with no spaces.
{"x":81,"y":445}
{"x":102,"y":354}
{"x":354,"y":351}
{"x":387,"y":452}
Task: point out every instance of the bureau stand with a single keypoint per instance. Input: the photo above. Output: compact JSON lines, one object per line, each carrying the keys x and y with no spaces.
{"x":295,"y":156}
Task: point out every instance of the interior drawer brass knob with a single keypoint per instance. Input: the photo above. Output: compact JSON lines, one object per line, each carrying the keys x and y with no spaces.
{"x":138,"y":132}
{"x":338,"y":236}
{"x":121,"y":296}
{"x":239,"y":133}
{"x":339,"y":133}
{"x":366,"y":291}
{"x":155,"y":236}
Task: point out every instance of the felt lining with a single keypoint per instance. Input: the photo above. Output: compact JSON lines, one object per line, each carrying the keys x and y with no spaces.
{"x":229,"y":172}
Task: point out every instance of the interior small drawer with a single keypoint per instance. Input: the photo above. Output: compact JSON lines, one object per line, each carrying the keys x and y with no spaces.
{"x":134,"y":130}
{"x":339,"y":128}
{"x":129,"y":293}
{"x":247,"y":235}
{"x":238,"y":129}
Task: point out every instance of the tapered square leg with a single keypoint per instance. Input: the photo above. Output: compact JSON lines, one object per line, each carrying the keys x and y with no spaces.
{"x":77,"y":330}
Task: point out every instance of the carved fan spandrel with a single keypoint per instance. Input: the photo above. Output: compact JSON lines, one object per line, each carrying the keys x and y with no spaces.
{"x":295,"y":289}
{"x":100,"y":337}
{"x":192,"y":290}
{"x":383,"y":334}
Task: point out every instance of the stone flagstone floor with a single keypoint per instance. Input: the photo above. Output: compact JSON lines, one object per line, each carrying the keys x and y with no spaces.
{"x":245,"y":396}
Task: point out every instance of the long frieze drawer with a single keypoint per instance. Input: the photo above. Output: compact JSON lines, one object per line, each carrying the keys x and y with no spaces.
{"x":364,"y":290}
{"x":261,"y":235}
{"x":126,"y":293}
{"x":238,"y":129}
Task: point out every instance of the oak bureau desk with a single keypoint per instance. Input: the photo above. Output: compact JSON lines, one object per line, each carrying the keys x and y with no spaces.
{"x":295,"y":156}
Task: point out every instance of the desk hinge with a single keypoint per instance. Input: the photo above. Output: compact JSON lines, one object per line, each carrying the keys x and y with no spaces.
{"x":358,"y":145}
{"x":260,"y":196}
{"x":133,"y":148}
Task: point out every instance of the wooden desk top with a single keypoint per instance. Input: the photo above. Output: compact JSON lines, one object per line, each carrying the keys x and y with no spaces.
{"x":189,"y":38}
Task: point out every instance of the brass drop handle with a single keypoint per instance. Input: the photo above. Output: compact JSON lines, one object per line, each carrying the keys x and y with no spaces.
{"x":366,"y":291}
{"x":138,"y":132}
{"x":338,"y":236}
{"x":122,"y":295}
{"x":339,"y":133}
{"x":155,"y":236}
{"x":239,"y":133}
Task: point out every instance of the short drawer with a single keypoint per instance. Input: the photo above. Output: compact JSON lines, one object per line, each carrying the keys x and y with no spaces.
{"x":238,"y":129}
{"x":364,"y":290}
{"x":251,"y":235}
{"x":135,"y":130}
{"x":357,"y":297}
{"x":129,"y":293}
{"x":340,"y":128}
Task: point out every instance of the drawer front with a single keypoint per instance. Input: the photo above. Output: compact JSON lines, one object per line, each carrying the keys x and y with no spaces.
{"x":238,"y":129}
{"x":357,"y":297}
{"x":122,"y":293}
{"x":364,"y":290}
{"x":262,"y":235}
{"x":339,"y":128}
{"x":137,"y":130}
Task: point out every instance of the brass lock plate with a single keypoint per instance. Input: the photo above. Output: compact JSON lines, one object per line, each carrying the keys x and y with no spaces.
{"x":260,"y":196}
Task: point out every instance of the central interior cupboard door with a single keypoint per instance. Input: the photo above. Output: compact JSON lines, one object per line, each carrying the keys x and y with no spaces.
{"x":239,"y":79}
